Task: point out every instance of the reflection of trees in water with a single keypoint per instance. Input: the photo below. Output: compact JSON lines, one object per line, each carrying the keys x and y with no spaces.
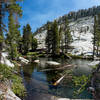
{"x":64,"y":86}
{"x":52,"y":76}
{"x":28,"y":70}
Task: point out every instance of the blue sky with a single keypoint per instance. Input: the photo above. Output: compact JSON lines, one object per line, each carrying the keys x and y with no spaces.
{"x":38,"y":12}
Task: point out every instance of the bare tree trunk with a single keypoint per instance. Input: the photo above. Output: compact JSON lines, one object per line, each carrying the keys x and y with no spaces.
{"x":97,"y":48}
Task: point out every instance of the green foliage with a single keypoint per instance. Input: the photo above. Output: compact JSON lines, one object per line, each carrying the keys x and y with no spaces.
{"x":7,"y":73}
{"x":94,"y":67}
{"x":96,"y":33}
{"x":75,"y":56}
{"x":15,"y":8}
{"x":12,"y":38}
{"x":56,"y":39}
{"x":27,"y":38}
{"x":13,"y":53}
{"x":49,"y":38}
{"x":32,"y":53}
{"x":53,"y":38}
{"x":80,"y":83}
{"x":34,"y":43}
{"x":68,"y":37}
{"x":1,"y":39}
{"x":17,"y":86}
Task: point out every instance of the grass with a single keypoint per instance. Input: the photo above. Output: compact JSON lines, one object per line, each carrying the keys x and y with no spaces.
{"x":35,"y":54}
{"x":75,"y":56}
{"x":17,"y":86}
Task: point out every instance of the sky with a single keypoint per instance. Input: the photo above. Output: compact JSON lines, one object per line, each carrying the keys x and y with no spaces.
{"x":38,"y":12}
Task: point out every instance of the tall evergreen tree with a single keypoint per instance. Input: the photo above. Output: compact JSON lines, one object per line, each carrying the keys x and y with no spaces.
{"x":97,"y":36}
{"x":13,"y":36}
{"x":53,"y":38}
{"x":61,"y":33}
{"x":68,"y":37}
{"x":34,"y":43}
{"x":49,"y":38}
{"x":2,"y":13}
{"x":94,"y":38}
{"x":27,"y":38}
{"x":56,"y":39}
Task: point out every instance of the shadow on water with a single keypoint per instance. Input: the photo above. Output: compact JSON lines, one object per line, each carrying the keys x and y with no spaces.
{"x":39,"y":84}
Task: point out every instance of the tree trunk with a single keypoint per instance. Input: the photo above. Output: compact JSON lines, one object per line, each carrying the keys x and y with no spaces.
{"x":97,"y":48}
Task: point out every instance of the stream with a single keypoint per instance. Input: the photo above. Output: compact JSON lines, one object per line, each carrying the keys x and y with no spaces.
{"x":39,"y":83}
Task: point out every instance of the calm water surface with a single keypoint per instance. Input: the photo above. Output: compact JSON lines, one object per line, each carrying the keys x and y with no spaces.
{"x":38,"y":82}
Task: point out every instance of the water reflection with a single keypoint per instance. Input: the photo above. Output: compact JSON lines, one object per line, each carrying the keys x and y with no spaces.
{"x":39,"y":84}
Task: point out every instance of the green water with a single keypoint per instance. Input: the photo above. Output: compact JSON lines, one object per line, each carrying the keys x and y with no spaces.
{"x":38,"y":82}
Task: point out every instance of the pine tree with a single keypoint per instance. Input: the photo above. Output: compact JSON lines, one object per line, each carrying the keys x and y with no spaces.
{"x":97,"y":36}
{"x":68,"y":37}
{"x":13,"y":36}
{"x":34,"y":43}
{"x":61,"y":33}
{"x":27,"y":38}
{"x":53,"y":38}
{"x":49,"y":38}
{"x":2,"y":13}
{"x":94,"y":38}
{"x":56,"y":39}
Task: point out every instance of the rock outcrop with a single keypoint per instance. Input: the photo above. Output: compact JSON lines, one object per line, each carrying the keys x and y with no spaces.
{"x":82,"y":34}
{"x":6,"y":61}
{"x":6,"y":93}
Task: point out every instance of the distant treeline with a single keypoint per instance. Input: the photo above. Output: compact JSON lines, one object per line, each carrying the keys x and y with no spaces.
{"x":81,"y":13}
{"x":72,"y":16}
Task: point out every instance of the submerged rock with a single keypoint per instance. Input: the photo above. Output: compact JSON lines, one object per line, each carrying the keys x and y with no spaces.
{"x":52,"y":63}
{"x":36,"y":61}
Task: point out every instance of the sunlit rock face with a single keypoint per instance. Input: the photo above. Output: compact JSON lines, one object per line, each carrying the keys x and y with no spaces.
{"x":82,"y":34}
{"x":5,"y":60}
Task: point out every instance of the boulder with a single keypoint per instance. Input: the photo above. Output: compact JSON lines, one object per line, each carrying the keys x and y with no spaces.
{"x":36,"y":61}
{"x":5,"y":61}
{"x":23,"y":60}
{"x":93,"y":63}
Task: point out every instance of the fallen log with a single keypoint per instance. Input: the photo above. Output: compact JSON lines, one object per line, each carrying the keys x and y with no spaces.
{"x":60,"y":68}
{"x":58,"y":81}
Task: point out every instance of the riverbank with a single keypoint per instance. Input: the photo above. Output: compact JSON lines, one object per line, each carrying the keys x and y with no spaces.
{"x":35,"y":55}
{"x":39,"y":81}
{"x":10,"y":83}
{"x":95,"y":82}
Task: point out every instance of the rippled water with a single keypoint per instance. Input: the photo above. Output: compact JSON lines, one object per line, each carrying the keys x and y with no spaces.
{"x":39,"y":82}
